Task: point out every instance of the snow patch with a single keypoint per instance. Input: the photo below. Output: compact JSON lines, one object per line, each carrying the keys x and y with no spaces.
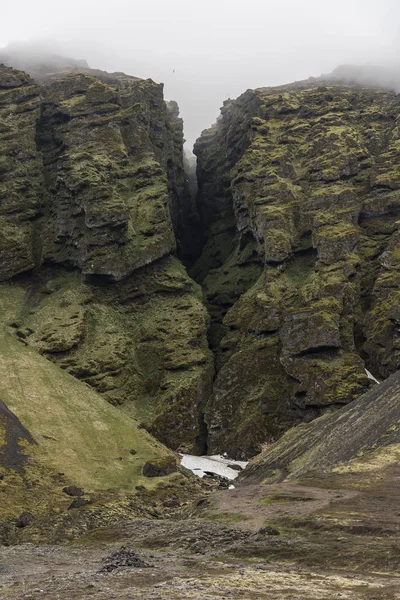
{"x":370,"y":376}
{"x":217,"y":464}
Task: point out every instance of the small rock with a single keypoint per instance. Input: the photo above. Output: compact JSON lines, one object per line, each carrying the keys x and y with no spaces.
{"x":16,"y":324}
{"x":269,"y":531}
{"x":235,"y":467}
{"x":25,"y":519}
{"x":173,"y":503}
{"x":73,"y":490}
{"x":160,"y":467}
{"x":78,"y":502}
{"x":198,"y":548}
{"x":122,"y":558}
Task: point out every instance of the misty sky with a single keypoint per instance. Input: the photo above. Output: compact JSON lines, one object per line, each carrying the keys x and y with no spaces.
{"x":217,"y":48}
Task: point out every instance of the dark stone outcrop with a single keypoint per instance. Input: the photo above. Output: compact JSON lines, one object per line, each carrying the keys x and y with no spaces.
{"x":24,"y":519}
{"x":299,"y":198}
{"x":160,"y":467}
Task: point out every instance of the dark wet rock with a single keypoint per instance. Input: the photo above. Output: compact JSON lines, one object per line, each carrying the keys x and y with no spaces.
{"x":79,"y":503}
{"x":73,"y":490}
{"x":199,"y":548}
{"x":160,"y":467}
{"x":25,"y":519}
{"x":268,"y":530}
{"x":236,"y":467}
{"x":123,"y":558}
{"x":223,"y":482}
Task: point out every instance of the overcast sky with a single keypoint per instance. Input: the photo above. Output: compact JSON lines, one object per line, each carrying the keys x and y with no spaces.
{"x":208,"y":50}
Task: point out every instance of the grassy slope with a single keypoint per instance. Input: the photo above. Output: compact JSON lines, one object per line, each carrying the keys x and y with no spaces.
{"x":75,"y":430}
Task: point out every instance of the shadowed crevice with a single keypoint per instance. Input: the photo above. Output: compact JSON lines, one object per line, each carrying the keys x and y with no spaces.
{"x":11,"y":455}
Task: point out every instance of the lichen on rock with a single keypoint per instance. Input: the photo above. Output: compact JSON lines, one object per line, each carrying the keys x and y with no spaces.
{"x":21,"y":190}
{"x":299,"y":203}
{"x":93,"y":199}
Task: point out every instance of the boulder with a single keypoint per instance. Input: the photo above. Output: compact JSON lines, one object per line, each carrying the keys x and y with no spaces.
{"x":160,"y":467}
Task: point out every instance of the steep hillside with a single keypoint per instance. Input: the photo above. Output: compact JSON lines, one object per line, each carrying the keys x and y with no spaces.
{"x":293,"y":240}
{"x":56,"y":431}
{"x":299,"y":197}
{"x":93,"y":198}
{"x":362,"y":436}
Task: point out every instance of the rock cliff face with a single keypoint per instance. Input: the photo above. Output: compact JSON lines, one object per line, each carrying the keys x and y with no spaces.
{"x":294,"y":240}
{"x":299,"y":196}
{"x":21,"y":191}
{"x":92,"y":199}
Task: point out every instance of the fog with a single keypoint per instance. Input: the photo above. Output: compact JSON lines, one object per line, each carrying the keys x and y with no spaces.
{"x":209,"y":50}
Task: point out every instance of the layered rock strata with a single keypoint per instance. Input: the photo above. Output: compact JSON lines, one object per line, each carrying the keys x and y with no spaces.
{"x":92,"y":199}
{"x":361,"y":437}
{"x":299,"y":196}
{"x":294,"y":240}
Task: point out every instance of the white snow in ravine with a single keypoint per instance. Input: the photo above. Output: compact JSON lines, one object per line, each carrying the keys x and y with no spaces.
{"x":221,"y":465}
{"x":217,"y":464}
{"x":370,"y":376}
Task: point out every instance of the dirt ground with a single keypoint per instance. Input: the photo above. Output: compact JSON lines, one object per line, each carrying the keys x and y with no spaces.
{"x":325,"y":538}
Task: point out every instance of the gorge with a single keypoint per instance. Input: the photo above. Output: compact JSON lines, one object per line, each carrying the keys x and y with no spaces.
{"x":140,"y":320}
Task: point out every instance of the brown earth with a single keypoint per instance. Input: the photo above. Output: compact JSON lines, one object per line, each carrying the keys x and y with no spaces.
{"x":339,"y":537}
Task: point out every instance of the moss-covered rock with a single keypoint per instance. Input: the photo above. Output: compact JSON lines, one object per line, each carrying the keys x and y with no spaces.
{"x":298,"y":184}
{"x":21,"y":191}
{"x":94,"y":205}
{"x":362,"y":436}
{"x":57,"y":432}
{"x":160,"y":467}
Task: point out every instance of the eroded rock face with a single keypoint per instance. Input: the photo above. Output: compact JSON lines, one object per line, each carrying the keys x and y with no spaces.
{"x":299,"y":195}
{"x":21,"y":191}
{"x":297,"y":217}
{"x":93,"y":197}
{"x":103,"y":148}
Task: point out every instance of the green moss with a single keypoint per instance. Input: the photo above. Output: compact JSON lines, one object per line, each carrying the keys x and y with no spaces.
{"x":75,"y":430}
{"x":297,"y":165}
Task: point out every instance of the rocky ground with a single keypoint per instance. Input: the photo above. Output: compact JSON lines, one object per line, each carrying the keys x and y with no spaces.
{"x":327,"y":537}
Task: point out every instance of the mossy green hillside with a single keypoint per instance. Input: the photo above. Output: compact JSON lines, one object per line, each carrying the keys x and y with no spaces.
{"x":72,"y":430}
{"x":140,"y":343}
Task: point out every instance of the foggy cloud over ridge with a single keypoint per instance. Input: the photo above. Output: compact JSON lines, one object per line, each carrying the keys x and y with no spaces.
{"x":207,"y":52}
